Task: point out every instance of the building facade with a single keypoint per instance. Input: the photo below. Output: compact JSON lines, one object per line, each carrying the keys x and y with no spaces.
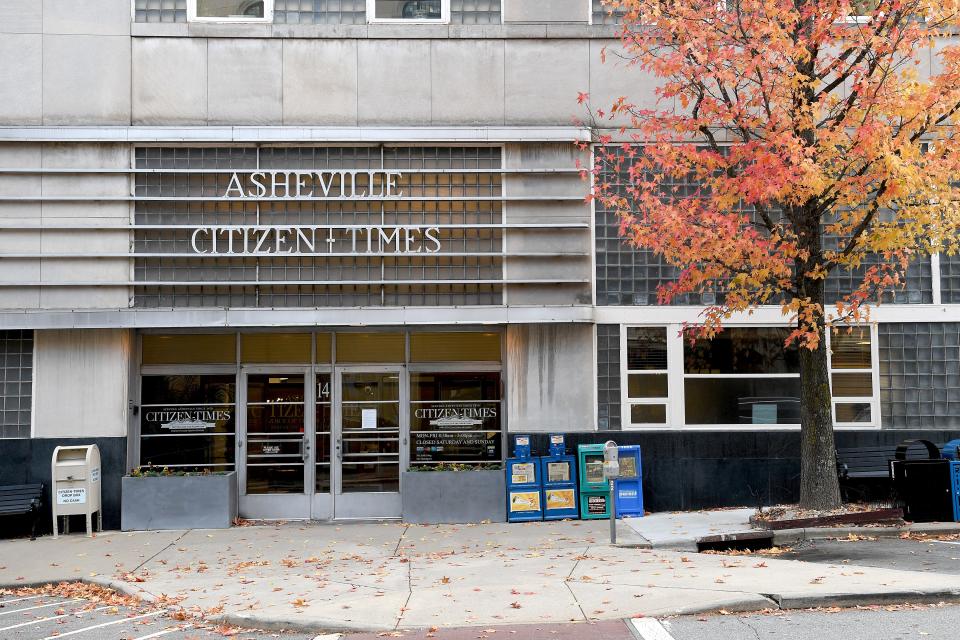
{"x":320,"y":242}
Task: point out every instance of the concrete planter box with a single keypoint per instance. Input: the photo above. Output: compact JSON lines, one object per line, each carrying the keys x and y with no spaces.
{"x":442,"y":497}
{"x":178,"y":502}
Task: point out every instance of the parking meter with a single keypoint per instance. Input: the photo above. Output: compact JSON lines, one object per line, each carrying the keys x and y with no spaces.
{"x":611,"y":460}
{"x":611,"y":470}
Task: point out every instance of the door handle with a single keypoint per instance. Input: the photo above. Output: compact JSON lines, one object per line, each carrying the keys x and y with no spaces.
{"x":305,"y":449}
{"x":339,"y":447}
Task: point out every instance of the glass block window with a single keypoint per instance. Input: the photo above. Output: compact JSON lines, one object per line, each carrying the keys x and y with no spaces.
{"x":475,"y":12}
{"x":16,"y":400}
{"x":917,"y":289}
{"x":160,"y":10}
{"x":320,"y":12}
{"x":608,"y":376}
{"x":950,"y":279}
{"x":603,"y":14}
{"x":626,"y":275}
{"x":465,"y":269}
{"x":920,"y":375}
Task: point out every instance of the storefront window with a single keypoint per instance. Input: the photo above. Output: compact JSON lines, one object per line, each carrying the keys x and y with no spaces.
{"x":851,"y":375}
{"x":455,"y":417}
{"x":742,"y":376}
{"x":231,"y":10}
{"x":409,"y":10}
{"x":188,"y":421}
{"x":647,"y":382}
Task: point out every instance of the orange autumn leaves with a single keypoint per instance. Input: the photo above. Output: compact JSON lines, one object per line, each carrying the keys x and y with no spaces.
{"x":817,"y":140}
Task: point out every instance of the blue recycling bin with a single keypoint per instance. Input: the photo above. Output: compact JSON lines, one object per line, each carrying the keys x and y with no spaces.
{"x":955,"y":488}
{"x":559,"y":482}
{"x":628,"y":488}
{"x":524,"y":483}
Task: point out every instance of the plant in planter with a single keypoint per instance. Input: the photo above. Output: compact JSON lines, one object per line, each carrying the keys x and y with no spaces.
{"x":451,"y":493}
{"x":163,"y":498}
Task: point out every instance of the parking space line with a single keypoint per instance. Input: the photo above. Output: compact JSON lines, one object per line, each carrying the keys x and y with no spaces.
{"x":42,"y":620}
{"x":650,"y":629}
{"x":164,"y":632}
{"x":4,"y":602}
{"x":105,"y":624}
{"x":39,"y":606}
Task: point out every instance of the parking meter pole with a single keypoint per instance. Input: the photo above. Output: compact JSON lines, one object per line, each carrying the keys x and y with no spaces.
{"x":613,"y":516}
{"x":611,"y":470}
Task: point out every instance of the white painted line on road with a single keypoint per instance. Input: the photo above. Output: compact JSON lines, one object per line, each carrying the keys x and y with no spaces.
{"x":945,"y":542}
{"x":39,"y":606}
{"x":650,"y":629}
{"x":105,"y":624}
{"x":42,"y":620}
{"x":5,"y":602}
{"x":164,"y":632}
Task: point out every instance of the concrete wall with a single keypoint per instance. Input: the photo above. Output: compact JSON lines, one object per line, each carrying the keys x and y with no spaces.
{"x":547,"y":240}
{"x":37,"y":221}
{"x":550,"y":377}
{"x":81,"y":380}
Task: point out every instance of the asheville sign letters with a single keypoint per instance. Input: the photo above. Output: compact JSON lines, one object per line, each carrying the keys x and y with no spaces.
{"x":338,"y":185}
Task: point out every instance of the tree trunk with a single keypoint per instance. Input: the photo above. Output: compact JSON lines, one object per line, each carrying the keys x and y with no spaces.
{"x":819,"y":486}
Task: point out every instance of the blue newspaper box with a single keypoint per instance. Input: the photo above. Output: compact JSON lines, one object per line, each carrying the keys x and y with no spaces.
{"x":628,"y":488}
{"x":524,"y":483}
{"x":559,"y":482}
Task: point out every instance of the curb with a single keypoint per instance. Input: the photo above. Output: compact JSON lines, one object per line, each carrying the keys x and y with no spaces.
{"x":792,"y":536}
{"x":864,"y":599}
{"x":315,"y":625}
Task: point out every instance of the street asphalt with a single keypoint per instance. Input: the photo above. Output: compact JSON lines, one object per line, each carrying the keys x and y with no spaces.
{"x":928,"y":556}
{"x":898,"y":623}
{"x":42,"y":617}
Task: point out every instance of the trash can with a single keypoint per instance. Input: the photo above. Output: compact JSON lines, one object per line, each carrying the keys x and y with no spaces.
{"x":594,"y":488}
{"x":524,"y":486}
{"x":925,"y":487}
{"x":76,"y":485}
{"x":628,"y":488}
{"x":559,"y":481}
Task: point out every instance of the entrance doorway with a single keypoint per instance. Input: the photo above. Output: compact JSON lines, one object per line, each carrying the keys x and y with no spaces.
{"x":370,"y":438}
{"x":274,"y":443}
{"x":286,"y":469}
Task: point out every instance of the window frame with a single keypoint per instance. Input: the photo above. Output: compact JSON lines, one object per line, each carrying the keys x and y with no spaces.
{"x":266,"y":19}
{"x":626,"y":402}
{"x":874,"y":371}
{"x":444,"y":15}
{"x":677,"y":376}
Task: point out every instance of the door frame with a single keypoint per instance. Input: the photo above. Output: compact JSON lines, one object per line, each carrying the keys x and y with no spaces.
{"x":373,"y":505}
{"x":321,"y":504}
{"x":277,"y":506}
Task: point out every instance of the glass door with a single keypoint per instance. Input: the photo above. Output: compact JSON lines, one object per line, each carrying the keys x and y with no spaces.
{"x":275,"y":445}
{"x":370,"y":438}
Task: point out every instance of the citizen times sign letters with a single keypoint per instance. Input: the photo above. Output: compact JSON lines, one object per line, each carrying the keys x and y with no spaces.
{"x":340,"y":185}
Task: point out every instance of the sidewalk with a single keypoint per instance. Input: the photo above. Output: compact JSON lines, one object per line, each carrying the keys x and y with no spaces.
{"x":325,"y":577}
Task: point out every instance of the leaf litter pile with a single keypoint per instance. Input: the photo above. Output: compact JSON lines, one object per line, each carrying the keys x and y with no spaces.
{"x":87,"y":597}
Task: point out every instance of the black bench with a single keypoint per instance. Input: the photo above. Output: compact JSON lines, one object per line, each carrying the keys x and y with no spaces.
{"x":860,"y":465}
{"x":22,"y":499}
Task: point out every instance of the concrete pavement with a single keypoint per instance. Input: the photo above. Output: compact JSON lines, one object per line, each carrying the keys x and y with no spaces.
{"x":324,"y":577}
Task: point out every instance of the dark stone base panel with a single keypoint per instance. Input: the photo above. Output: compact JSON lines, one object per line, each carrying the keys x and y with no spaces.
{"x":26,"y":460}
{"x":701,"y":470}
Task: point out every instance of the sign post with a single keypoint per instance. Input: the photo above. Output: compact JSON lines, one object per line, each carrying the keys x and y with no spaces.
{"x":611,"y":470}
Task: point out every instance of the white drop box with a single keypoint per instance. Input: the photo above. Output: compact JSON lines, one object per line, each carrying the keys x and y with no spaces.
{"x":76,"y":484}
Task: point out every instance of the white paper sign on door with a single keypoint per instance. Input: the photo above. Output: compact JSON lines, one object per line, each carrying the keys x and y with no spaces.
{"x":368,"y":419}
